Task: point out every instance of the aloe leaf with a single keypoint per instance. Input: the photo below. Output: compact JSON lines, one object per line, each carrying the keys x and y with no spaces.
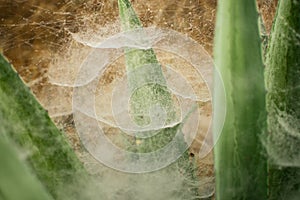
{"x":283,"y":101}
{"x":142,"y":64}
{"x":25,"y":121}
{"x":16,"y":181}
{"x":240,"y":167}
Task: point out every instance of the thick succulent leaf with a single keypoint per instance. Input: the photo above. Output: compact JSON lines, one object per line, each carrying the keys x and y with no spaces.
{"x":241,"y":169}
{"x":25,"y":121}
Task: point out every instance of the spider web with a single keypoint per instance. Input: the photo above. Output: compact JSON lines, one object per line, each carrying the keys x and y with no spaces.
{"x":43,"y":38}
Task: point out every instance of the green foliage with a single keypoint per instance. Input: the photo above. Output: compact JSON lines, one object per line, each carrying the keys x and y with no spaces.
{"x":241,"y":169}
{"x":25,"y":121}
{"x":283,"y":102}
{"x":16,"y":181}
{"x":142,"y":64}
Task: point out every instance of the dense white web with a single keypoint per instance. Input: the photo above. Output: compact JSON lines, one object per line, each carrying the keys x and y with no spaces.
{"x":48,"y":41}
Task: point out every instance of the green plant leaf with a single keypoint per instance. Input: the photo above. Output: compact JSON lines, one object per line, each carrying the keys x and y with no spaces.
{"x":139,"y":64}
{"x":16,"y":181}
{"x":25,"y":121}
{"x":283,"y":102}
{"x":241,"y":168}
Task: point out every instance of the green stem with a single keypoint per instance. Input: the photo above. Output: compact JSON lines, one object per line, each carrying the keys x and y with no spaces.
{"x":283,"y":97}
{"x":241,"y":169}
